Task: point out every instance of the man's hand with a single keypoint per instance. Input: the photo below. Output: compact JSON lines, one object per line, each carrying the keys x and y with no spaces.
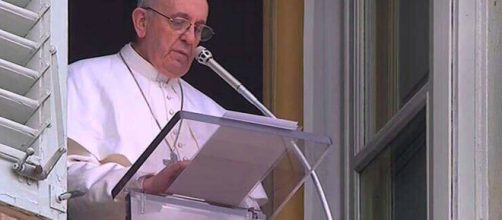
{"x":159,"y":183}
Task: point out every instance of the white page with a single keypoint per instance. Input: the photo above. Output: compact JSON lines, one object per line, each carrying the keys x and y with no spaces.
{"x":229,"y":166}
{"x":261,"y":120}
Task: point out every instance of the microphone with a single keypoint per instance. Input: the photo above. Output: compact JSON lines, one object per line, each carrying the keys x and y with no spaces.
{"x":205,"y":57}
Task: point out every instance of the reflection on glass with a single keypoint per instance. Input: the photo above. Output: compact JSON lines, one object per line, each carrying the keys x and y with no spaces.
{"x":394,"y":185}
{"x":413,"y":47}
{"x":375,"y":189}
{"x":381,"y":73}
{"x":397,"y":56}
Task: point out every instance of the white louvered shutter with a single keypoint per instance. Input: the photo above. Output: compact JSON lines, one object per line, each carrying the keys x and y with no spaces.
{"x":33,"y":38}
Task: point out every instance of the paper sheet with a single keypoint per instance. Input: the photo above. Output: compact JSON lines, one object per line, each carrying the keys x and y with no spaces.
{"x":229,"y":166}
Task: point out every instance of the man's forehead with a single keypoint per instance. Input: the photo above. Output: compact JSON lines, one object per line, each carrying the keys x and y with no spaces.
{"x":196,"y":9}
{"x":177,"y":4}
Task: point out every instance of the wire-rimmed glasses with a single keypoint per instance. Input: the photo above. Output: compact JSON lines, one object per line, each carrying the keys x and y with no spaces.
{"x":202,"y":31}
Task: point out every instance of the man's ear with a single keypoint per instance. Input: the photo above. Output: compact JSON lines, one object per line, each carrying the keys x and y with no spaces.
{"x":139,"y":22}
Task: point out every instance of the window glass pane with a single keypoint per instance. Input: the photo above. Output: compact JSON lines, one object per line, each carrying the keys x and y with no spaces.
{"x":413,"y":47}
{"x":394,"y":185}
{"x":397,"y":57}
{"x":375,"y":189}
{"x":380,"y":75}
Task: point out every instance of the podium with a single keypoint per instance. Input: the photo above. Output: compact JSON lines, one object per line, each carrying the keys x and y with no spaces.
{"x":241,"y":167}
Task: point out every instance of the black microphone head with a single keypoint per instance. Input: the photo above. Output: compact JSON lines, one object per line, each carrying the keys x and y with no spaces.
{"x":203,"y":55}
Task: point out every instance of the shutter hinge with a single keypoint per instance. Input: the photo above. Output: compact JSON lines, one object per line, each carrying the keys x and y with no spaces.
{"x":37,"y":172}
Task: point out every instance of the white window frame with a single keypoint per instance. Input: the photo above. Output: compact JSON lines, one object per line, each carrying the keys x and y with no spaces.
{"x":324,"y":66}
{"x":460,"y":111}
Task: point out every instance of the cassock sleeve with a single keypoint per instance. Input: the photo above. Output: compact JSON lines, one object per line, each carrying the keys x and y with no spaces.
{"x":90,"y":168}
{"x":96,"y":179}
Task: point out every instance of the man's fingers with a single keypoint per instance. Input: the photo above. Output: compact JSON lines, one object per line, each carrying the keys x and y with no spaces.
{"x":185,"y":163}
{"x":178,"y":166}
{"x":162,"y":180}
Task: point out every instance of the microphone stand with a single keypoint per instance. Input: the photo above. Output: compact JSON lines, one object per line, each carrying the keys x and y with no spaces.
{"x":297,"y":150}
{"x":206,"y":58}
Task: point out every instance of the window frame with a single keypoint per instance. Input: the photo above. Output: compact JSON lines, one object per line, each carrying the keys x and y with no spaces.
{"x":458,"y":109}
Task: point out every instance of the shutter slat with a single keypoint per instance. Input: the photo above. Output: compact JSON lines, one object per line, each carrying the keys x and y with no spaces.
{"x":19,"y":3}
{"x":16,"y":107}
{"x":16,"y":135}
{"x":16,"y":20}
{"x":16,"y":49}
{"x":12,"y":153}
{"x":15,"y":78}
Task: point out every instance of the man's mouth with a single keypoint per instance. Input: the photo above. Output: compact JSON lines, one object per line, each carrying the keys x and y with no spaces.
{"x":182,"y":52}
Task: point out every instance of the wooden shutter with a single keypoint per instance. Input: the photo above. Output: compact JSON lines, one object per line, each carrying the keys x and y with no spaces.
{"x":32,"y":107}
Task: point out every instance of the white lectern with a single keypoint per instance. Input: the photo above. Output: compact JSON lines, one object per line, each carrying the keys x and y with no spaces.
{"x":245,"y":167}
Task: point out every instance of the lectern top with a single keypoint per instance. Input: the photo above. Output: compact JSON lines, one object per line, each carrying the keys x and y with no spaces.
{"x":235,"y":161}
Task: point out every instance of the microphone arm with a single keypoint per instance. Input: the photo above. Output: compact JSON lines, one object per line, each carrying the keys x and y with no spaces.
{"x":205,"y":57}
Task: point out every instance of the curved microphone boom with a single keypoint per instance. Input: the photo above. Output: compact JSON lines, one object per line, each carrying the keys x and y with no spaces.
{"x":205,"y":57}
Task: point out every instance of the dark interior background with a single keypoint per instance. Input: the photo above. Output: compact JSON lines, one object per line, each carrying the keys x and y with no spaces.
{"x":101,"y":27}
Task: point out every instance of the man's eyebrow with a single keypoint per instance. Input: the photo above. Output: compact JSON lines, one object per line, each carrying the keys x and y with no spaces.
{"x":180,"y":14}
{"x":186,"y":16}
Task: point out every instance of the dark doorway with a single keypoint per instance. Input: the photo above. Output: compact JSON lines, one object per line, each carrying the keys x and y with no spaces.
{"x":98,"y":27}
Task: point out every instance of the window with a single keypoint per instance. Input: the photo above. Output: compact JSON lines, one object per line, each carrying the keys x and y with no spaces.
{"x":392,"y":67}
{"x":393,"y":185}
{"x":396,"y":56}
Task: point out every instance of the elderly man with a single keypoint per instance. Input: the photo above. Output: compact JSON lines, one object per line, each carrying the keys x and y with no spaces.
{"x":118,"y":103}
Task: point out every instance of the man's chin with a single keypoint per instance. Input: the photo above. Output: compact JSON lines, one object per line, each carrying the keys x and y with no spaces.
{"x":175,"y":72}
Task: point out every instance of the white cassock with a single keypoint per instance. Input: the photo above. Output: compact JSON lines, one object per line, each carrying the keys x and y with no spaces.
{"x":110,"y":125}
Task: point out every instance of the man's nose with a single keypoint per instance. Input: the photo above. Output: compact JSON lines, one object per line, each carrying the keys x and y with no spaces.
{"x":189,"y":35}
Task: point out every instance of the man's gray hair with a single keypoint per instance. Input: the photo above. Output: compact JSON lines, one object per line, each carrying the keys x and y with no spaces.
{"x":143,"y":3}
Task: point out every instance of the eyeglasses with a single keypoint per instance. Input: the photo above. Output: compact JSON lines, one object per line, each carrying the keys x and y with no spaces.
{"x":202,"y":31}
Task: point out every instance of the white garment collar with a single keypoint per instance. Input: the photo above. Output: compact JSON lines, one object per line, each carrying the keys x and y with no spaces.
{"x":139,"y":65}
